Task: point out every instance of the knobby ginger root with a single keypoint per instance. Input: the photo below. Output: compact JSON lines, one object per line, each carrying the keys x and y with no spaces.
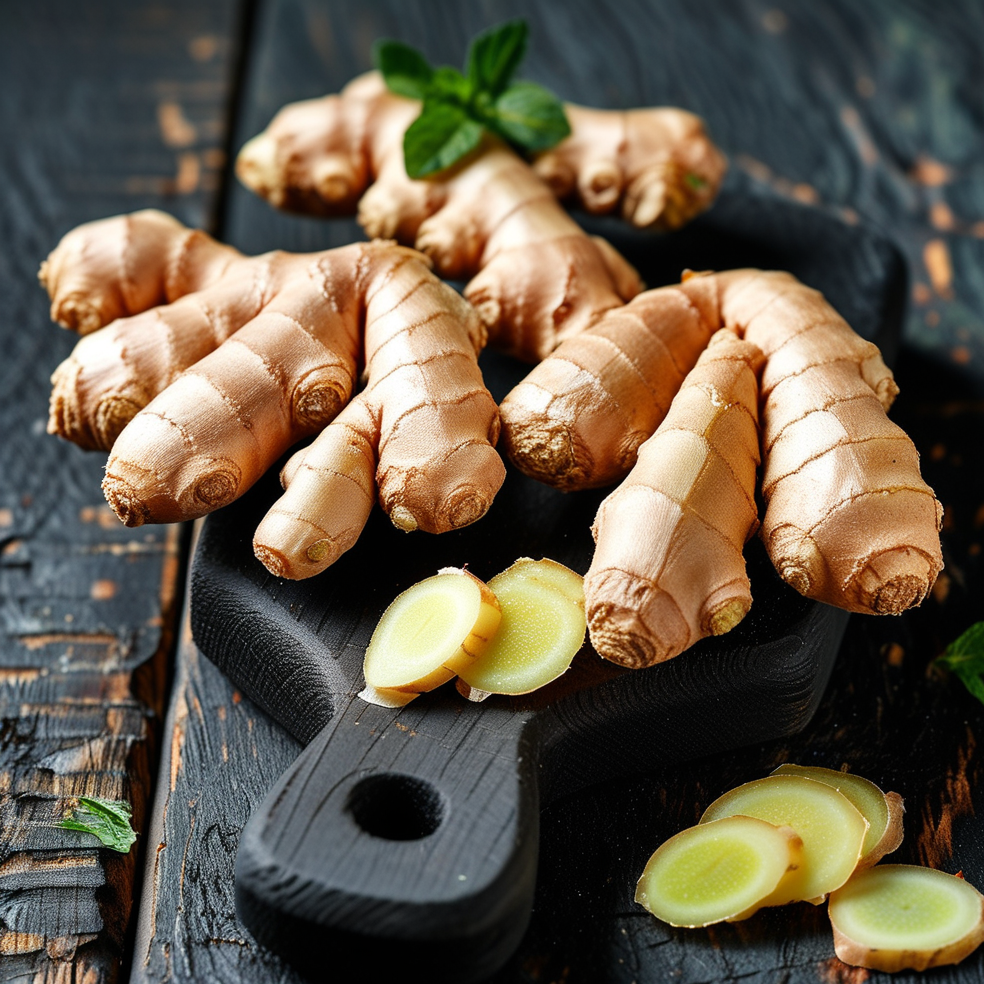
{"x":656,"y":166}
{"x":719,"y":871}
{"x":883,"y":811}
{"x":535,"y":276}
{"x":246,"y":356}
{"x":668,"y":567}
{"x":896,"y":917}
{"x":831,"y":828}
{"x":849,"y":520}
{"x":541,"y":631}
{"x":432,"y":631}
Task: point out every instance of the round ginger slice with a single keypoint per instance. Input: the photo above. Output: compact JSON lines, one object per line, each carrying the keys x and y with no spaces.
{"x":832,"y":829}
{"x":717,"y":871}
{"x":432,"y":631}
{"x":541,"y":631}
{"x":883,"y":811}
{"x":898,"y":917}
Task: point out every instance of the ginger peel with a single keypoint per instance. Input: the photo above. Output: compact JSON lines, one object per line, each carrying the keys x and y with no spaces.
{"x":245,"y":356}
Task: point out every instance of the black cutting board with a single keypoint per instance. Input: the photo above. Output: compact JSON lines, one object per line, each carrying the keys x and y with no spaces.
{"x":406,"y":839}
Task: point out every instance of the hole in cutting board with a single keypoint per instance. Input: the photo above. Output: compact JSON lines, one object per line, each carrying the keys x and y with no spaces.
{"x":396,"y":807}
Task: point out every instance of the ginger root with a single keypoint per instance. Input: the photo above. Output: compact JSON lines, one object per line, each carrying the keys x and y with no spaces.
{"x":535,"y":276}
{"x":668,"y":567}
{"x":849,"y":520}
{"x":244,"y":356}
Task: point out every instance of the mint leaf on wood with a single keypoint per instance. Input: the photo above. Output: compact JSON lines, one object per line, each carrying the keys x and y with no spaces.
{"x":440,"y":136}
{"x":530,"y":116}
{"x":965,"y":658}
{"x":495,"y":55}
{"x":404,"y":69}
{"x":109,"y":820}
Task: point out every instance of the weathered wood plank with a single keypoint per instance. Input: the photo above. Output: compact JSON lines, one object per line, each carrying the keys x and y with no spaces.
{"x":104,"y":108}
{"x":871,"y":110}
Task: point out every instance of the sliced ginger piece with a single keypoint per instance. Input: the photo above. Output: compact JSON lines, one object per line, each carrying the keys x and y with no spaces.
{"x":717,"y":871}
{"x":898,"y":916}
{"x":883,"y":811}
{"x":832,"y":829}
{"x":432,"y":631}
{"x":542,"y":629}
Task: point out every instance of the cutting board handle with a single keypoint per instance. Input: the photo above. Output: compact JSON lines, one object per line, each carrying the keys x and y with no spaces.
{"x":405,"y":837}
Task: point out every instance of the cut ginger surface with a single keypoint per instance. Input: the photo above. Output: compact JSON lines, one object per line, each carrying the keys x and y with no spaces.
{"x":432,"y":631}
{"x":717,"y":871}
{"x":541,"y":631}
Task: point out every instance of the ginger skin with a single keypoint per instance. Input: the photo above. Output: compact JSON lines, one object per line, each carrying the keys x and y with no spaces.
{"x":245,"y":356}
{"x":668,"y":567}
{"x":535,"y":276}
{"x":849,"y":520}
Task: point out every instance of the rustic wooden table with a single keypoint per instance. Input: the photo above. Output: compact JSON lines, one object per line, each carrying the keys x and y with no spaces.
{"x":873,"y":111}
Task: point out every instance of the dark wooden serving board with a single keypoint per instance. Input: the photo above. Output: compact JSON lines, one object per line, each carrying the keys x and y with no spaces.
{"x":409,"y":836}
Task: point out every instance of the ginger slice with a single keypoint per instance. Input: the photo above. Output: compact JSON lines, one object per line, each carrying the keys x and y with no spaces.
{"x":883,"y":811}
{"x":541,"y":631}
{"x":717,"y":871}
{"x":898,"y":916}
{"x":430,"y":632}
{"x":832,"y":829}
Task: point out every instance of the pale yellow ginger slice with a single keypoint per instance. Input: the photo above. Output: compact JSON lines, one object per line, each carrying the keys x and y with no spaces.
{"x":883,"y":811}
{"x":899,"y":917}
{"x":542,"y":628}
{"x":432,"y":631}
{"x":723,"y":870}
{"x":832,"y":829}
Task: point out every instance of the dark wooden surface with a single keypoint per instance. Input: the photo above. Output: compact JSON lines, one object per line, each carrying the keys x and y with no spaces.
{"x":102,"y":109}
{"x":872,"y":110}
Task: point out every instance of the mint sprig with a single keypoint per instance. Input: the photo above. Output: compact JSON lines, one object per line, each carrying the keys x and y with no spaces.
{"x":109,"y":820}
{"x":964,"y":657}
{"x":459,"y":107}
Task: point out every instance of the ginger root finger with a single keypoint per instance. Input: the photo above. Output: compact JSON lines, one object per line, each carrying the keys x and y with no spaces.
{"x":668,"y":567}
{"x":657,"y":165}
{"x":477,"y":213}
{"x":577,"y":420}
{"x":116,"y":267}
{"x":423,"y":430}
{"x":848,"y":519}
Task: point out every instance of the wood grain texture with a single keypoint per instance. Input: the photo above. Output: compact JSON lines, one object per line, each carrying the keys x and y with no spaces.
{"x":871,"y":110}
{"x":103,"y":108}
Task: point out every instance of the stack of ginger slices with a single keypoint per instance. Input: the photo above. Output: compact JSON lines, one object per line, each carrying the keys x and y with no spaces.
{"x":812,"y":834}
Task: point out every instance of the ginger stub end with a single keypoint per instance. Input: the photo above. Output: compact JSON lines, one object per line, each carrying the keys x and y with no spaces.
{"x":899,"y":917}
{"x":719,"y":871}
{"x":431,"y":631}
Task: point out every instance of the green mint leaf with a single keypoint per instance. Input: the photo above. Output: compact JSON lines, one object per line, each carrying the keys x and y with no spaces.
{"x":694,"y":180}
{"x":440,"y":136}
{"x":530,"y":116}
{"x":965,"y":658}
{"x":404,"y":69}
{"x":449,"y":85}
{"x":109,"y":820}
{"x":495,"y":55}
